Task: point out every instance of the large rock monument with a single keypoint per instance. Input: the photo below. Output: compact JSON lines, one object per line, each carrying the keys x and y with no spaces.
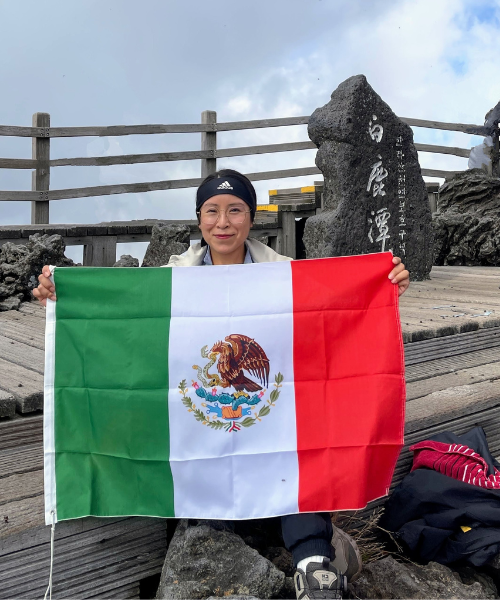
{"x":374,"y":197}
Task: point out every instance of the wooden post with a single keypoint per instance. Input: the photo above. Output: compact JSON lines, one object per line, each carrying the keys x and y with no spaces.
{"x":100,"y":252}
{"x":40,"y":178}
{"x":289,"y":247}
{"x":208,"y":142}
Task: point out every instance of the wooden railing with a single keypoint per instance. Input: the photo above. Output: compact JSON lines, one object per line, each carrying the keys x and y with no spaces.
{"x":42,"y":132}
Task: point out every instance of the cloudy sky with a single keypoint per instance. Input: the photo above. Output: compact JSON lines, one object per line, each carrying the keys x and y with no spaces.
{"x":111,"y":62}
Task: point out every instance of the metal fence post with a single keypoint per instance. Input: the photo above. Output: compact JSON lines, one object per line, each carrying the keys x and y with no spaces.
{"x":40,"y":178}
{"x":209,"y":142}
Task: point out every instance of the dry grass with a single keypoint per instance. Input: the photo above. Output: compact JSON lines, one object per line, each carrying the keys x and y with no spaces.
{"x":367,"y":534}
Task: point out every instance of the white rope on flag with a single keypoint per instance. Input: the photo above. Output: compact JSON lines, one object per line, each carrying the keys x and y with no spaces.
{"x":52,"y":530}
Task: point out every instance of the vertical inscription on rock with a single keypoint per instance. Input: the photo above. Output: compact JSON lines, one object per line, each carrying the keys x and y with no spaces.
{"x":374,"y":195}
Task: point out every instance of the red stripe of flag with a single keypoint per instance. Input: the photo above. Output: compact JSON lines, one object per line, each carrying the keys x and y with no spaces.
{"x":349,"y":380}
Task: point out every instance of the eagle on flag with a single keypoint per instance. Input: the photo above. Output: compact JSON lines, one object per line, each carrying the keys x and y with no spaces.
{"x":241,"y":353}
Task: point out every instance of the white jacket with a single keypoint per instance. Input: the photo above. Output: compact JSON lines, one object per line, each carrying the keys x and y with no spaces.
{"x":194,"y":256}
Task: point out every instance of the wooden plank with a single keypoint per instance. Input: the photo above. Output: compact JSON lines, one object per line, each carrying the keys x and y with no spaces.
{"x":463,"y":127}
{"x":33,"y":308}
{"x":283,"y":173}
{"x":129,"y":591}
{"x":41,"y":176}
{"x":131,"y":188}
{"x":445,"y":405}
{"x":78,"y":541}
{"x":464,"y":152}
{"x":26,"y":529}
{"x":21,"y":431}
{"x":82,"y":556}
{"x":29,"y":337}
{"x":22,"y":459}
{"x":126,"y":592}
{"x":24,"y":525}
{"x":109,"y":558}
{"x":443,"y":366}
{"x":258,"y":124}
{"x":110,"y":131}
{"x":131,"y":570}
{"x":18,"y":163}
{"x":22,"y":355}
{"x":435,"y":173}
{"x":25,"y":385}
{"x":466,"y":342}
{"x":20,"y":486}
{"x":119,"y":130}
{"x":469,"y":376}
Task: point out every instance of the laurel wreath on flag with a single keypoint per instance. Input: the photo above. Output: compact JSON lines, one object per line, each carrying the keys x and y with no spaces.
{"x":199,"y":415}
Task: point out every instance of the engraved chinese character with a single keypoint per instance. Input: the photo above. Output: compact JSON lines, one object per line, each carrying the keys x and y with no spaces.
{"x":380,"y":221}
{"x":375,"y":130}
{"x":377,"y":175}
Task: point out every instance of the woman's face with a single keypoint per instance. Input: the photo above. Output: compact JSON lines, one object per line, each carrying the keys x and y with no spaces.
{"x":225,"y":236}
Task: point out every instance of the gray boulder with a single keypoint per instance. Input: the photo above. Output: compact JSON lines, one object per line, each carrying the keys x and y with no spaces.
{"x":204,"y":561}
{"x":21,"y":264}
{"x":126,"y":260}
{"x":166,"y":240}
{"x":492,"y":569}
{"x":374,"y":196}
{"x":388,"y":578}
{"x":467,"y":227}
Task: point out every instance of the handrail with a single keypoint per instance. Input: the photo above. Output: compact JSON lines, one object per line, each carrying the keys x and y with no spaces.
{"x":151,"y":186}
{"x":129,"y":159}
{"x":119,"y":130}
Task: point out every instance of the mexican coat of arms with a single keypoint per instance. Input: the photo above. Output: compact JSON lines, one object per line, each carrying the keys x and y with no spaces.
{"x":230,"y":399}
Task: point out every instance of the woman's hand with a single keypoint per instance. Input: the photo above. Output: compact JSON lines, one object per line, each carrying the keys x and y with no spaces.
{"x":399,"y":275}
{"x":46,"y":288}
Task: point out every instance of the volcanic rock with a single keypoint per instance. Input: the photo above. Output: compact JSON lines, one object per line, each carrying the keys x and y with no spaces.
{"x":374,"y":196}
{"x":166,"y":240}
{"x":21,"y":264}
{"x":388,"y":578}
{"x":126,"y":260}
{"x":467,"y":227}
{"x":203,"y":561}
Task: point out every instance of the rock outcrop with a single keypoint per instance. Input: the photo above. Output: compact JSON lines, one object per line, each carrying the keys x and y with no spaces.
{"x":166,"y":240}
{"x":374,"y":196}
{"x":205,"y":560}
{"x":126,"y":260}
{"x":388,"y":578}
{"x":467,"y":227}
{"x":21,"y":264}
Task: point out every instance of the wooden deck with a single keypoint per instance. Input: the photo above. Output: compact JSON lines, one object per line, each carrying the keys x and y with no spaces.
{"x":451,"y":326}
{"x":454,"y":300}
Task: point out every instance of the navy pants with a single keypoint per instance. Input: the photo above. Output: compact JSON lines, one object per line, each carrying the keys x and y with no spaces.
{"x":307,"y":534}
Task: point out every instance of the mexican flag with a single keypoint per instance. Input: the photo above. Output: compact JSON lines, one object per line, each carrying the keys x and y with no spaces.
{"x":222,"y":392}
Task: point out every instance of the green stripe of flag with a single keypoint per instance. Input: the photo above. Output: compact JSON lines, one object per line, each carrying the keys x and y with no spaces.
{"x":111,"y":392}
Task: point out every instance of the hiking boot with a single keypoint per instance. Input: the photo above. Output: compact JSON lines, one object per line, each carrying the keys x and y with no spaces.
{"x":347,"y":559}
{"x":321,"y":580}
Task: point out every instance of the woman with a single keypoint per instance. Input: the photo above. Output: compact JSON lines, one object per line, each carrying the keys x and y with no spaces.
{"x":226,"y":203}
